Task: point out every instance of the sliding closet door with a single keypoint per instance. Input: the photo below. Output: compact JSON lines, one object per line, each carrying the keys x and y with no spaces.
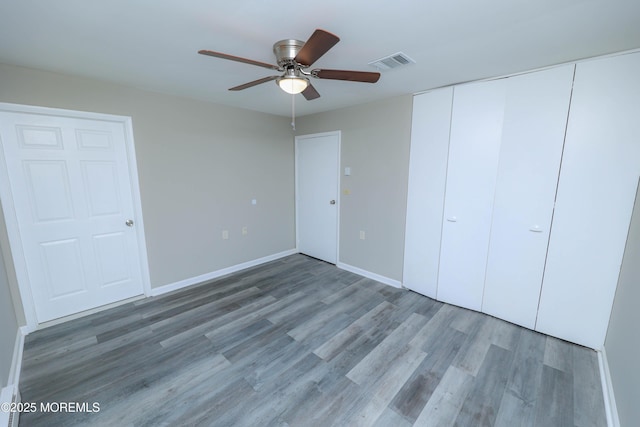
{"x":474,"y":146}
{"x":535,"y":118}
{"x":425,"y":199}
{"x":596,"y":192}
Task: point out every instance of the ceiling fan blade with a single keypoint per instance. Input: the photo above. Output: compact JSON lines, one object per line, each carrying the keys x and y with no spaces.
{"x":310,"y":93}
{"x":254,"y":83}
{"x":237,"y":59}
{"x":317,"y":45}
{"x":352,"y":76}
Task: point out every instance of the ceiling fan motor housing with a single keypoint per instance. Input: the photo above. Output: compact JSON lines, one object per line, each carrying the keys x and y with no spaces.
{"x":286,"y":51}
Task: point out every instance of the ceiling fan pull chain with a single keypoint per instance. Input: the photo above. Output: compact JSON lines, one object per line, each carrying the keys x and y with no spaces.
{"x":293,"y":112}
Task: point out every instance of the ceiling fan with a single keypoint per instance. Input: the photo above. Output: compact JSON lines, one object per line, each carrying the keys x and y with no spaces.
{"x":294,"y":57}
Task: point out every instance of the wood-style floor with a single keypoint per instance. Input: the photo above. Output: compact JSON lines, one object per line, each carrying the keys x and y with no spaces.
{"x":298,"y":342}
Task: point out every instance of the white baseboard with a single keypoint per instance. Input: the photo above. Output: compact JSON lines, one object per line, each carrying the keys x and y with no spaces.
{"x":218,"y":273}
{"x":10,"y":393}
{"x":6,"y":396}
{"x":370,"y":275}
{"x":27,"y":329}
{"x":610,"y":408}
{"x":16,"y":362}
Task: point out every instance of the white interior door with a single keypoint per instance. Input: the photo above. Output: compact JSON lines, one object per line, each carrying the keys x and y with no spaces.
{"x":73,"y":203}
{"x":532,"y":138}
{"x":476,"y":129}
{"x":317,"y":168}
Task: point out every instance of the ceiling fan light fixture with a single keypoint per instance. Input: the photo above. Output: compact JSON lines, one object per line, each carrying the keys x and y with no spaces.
{"x":293,"y":84}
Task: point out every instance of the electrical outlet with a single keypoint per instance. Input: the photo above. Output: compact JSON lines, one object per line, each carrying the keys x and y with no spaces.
{"x":245,"y":230}
{"x":361,"y":235}
{"x":225,"y":234}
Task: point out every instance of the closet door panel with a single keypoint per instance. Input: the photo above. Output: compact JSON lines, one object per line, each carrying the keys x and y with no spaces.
{"x":598,"y":180}
{"x":534,"y":125}
{"x":474,"y":144}
{"x":425,"y":199}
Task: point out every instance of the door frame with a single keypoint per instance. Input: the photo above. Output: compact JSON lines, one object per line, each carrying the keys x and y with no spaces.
{"x":338,"y":134}
{"x":11,"y":220}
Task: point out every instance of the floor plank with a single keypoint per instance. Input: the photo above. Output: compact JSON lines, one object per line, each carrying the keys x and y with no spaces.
{"x":445,"y":403}
{"x":299,"y":342}
{"x":518,"y":402}
{"x":554,"y":405}
{"x":481,"y":406}
{"x":419,"y":388}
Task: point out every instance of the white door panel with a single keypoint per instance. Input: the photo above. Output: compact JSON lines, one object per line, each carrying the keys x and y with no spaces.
{"x":62,"y":269}
{"x":476,"y":128}
{"x":48,"y":188}
{"x":111,"y":253}
{"x":317,"y":165}
{"x":535,"y":118}
{"x":425,"y":199}
{"x":72,"y":195}
{"x":596,"y":192}
{"x":101,"y":187}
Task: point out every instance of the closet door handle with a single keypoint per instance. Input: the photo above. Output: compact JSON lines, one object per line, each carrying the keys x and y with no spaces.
{"x":536,"y":229}
{"x":452,"y":219}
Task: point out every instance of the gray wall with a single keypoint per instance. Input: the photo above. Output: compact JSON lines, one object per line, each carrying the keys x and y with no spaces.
{"x":375,"y":145}
{"x":199,"y":166}
{"x":623,"y":340}
{"x":8,"y":324}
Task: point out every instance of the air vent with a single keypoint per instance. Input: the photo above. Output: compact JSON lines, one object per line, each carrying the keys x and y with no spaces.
{"x":392,"y":61}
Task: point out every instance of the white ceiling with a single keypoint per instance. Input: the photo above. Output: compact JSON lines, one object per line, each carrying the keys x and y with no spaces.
{"x":153,"y":44}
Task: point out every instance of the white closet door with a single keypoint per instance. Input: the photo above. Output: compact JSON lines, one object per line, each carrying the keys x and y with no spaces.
{"x":532,"y":138}
{"x":476,"y":129}
{"x":425,"y":200}
{"x":598,"y":180}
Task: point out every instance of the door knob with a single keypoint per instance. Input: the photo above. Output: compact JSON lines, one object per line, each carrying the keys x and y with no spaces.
{"x":332,"y":202}
{"x":129,"y":223}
